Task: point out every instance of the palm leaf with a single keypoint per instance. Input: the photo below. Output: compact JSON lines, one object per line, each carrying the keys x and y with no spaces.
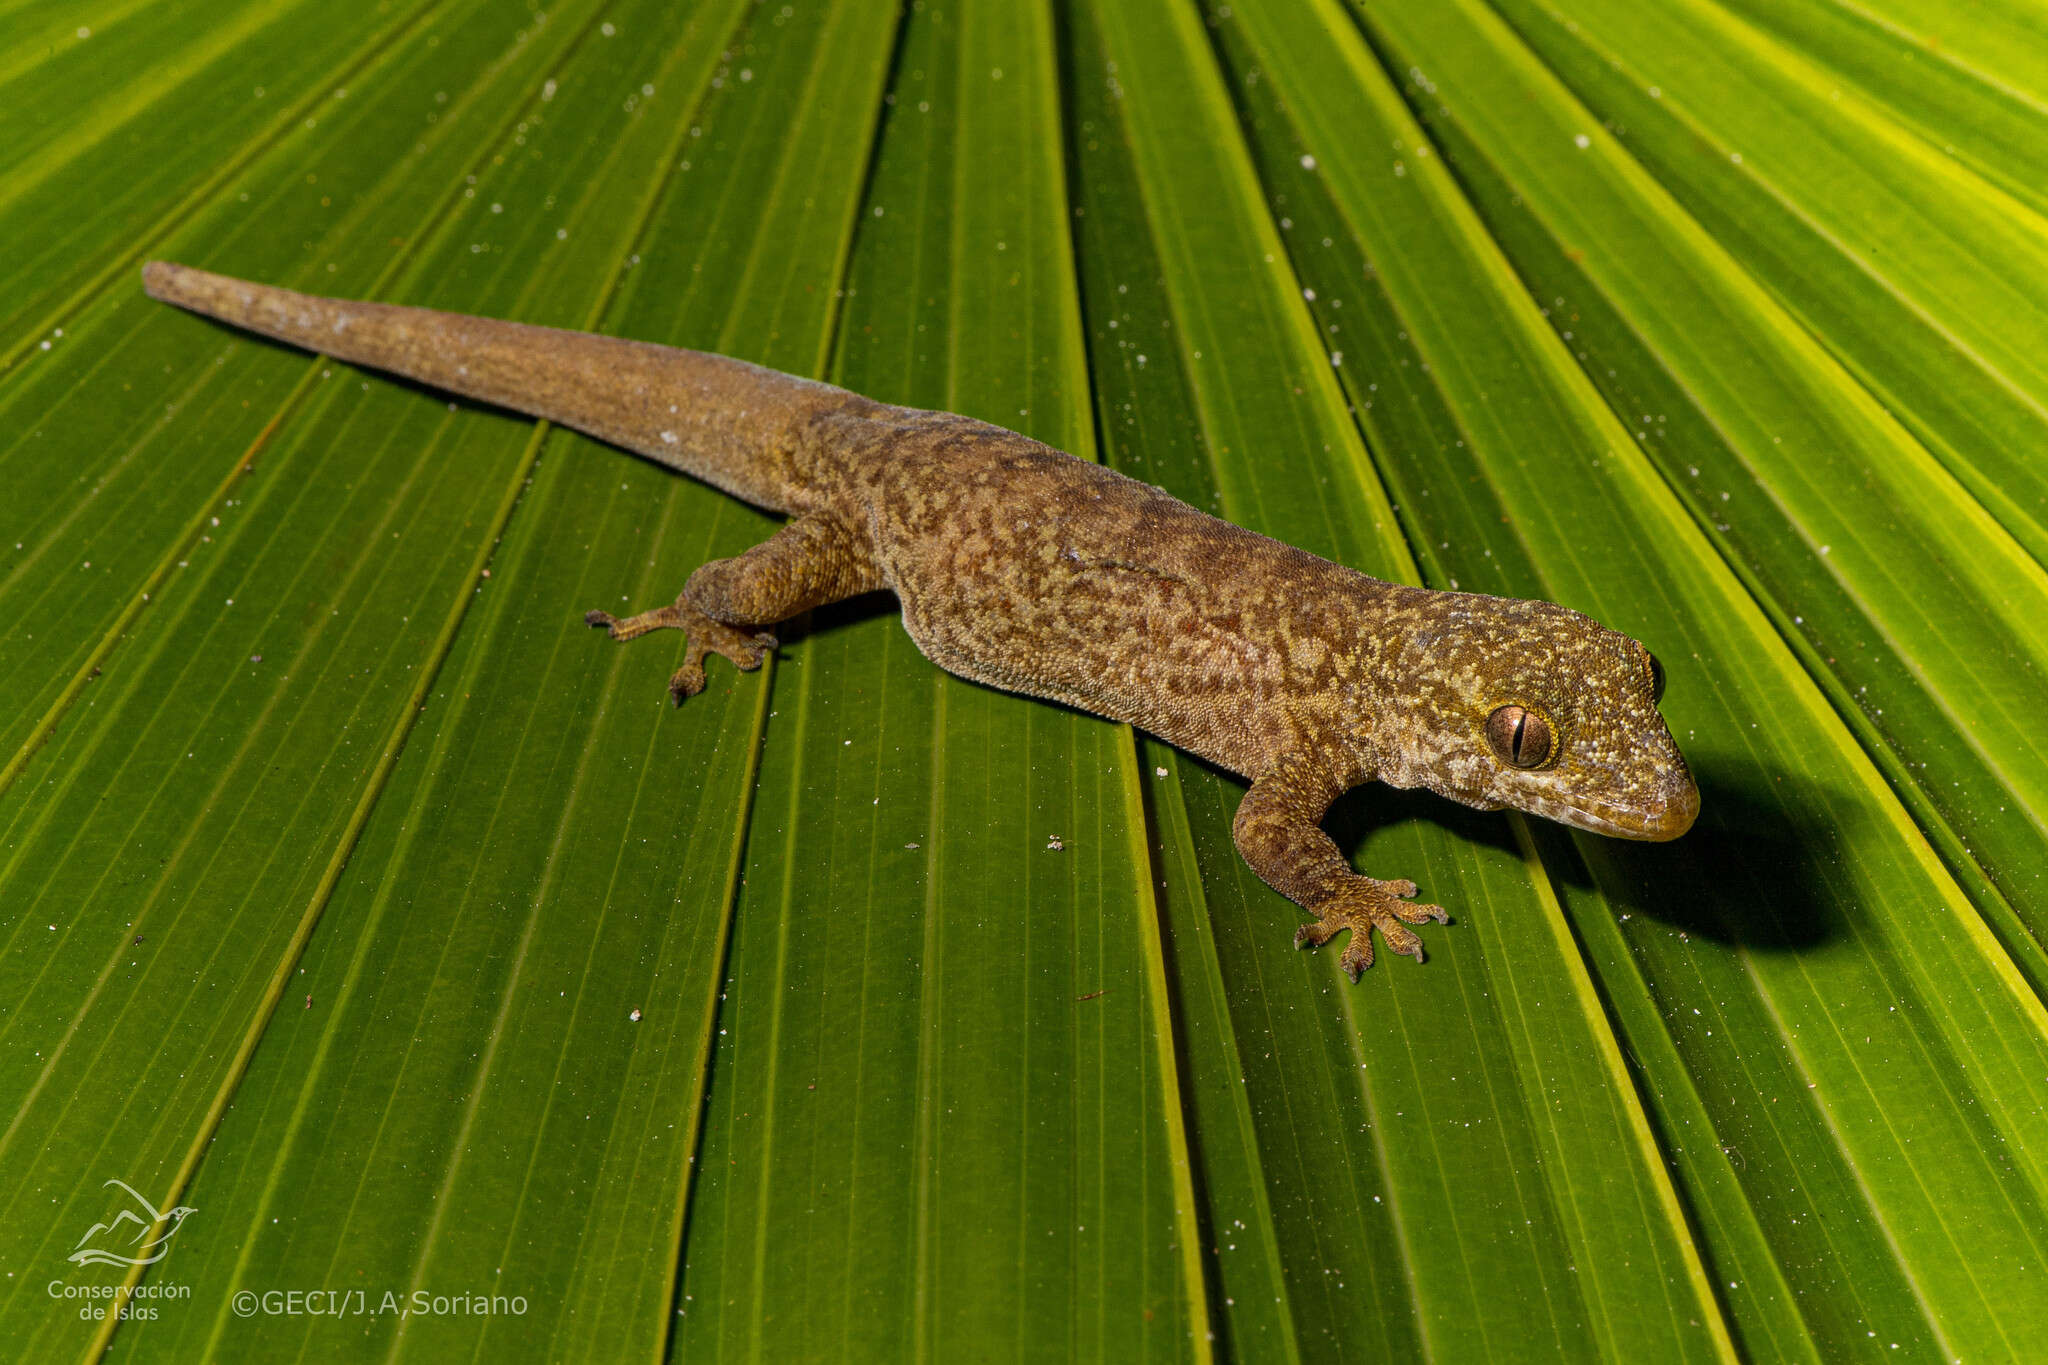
{"x":355,"y":899}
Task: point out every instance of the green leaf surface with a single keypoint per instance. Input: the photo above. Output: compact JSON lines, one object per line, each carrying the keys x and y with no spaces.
{"x":1926,"y":278}
{"x":125,"y":133}
{"x":358,"y":899}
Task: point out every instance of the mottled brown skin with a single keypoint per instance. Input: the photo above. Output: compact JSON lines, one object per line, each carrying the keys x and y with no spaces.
{"x":1033,"y":571}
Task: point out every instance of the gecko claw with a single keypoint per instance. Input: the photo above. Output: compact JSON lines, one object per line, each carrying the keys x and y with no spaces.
{"x":1362,"y":906}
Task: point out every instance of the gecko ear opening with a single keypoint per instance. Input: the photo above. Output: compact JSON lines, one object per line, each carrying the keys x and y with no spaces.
{"x":1520,"y":736}
{"x":1656,"y":678}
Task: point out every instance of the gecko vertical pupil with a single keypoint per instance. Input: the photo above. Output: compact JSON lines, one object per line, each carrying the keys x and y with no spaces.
{"x":1519,"y":735}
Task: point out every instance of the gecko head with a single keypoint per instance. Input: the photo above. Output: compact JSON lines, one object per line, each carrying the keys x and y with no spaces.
{"x":1537,"y":707}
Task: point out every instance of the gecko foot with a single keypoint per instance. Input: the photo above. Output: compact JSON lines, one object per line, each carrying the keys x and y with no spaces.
{"x":1361,"y":905}
{"x":705,"y":635}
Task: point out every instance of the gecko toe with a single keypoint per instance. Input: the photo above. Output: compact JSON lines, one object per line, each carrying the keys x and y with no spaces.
{"x":633,"y":627}
{"x":748,"y":653}
{"x":1420,"y":914}
{"x":1316,"y":933}
{"x":1402,"y":940}
{"x":686,"y":681}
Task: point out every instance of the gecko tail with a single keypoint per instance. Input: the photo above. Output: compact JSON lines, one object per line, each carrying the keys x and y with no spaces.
{"x":733,"y":424}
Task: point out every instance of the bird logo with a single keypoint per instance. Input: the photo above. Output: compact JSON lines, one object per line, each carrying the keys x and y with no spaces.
{"x":140,"y":1252}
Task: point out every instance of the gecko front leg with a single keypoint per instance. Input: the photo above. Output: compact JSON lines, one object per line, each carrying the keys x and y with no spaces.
{"x":814,"y":560}
{"x":1279,"y":834}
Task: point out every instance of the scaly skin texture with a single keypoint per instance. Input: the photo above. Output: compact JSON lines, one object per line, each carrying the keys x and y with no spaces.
{"x":1027,"y":569}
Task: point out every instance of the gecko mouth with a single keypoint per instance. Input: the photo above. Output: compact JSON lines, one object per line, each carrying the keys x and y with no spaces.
{"x":1668,"y":813}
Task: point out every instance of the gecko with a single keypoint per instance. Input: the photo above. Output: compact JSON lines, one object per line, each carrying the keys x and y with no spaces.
{"x":1035,"y":571}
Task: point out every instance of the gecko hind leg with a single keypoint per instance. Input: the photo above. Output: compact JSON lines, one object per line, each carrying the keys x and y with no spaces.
{"x":705,"y":635}
{"x":813,"y":560}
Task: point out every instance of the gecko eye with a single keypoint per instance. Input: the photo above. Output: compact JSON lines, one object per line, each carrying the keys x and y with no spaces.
{"x":1656,"y":678}
{"x":1519,"y":735}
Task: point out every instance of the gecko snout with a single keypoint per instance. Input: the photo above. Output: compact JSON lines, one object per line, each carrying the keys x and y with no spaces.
{"x":1673,"y":808}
